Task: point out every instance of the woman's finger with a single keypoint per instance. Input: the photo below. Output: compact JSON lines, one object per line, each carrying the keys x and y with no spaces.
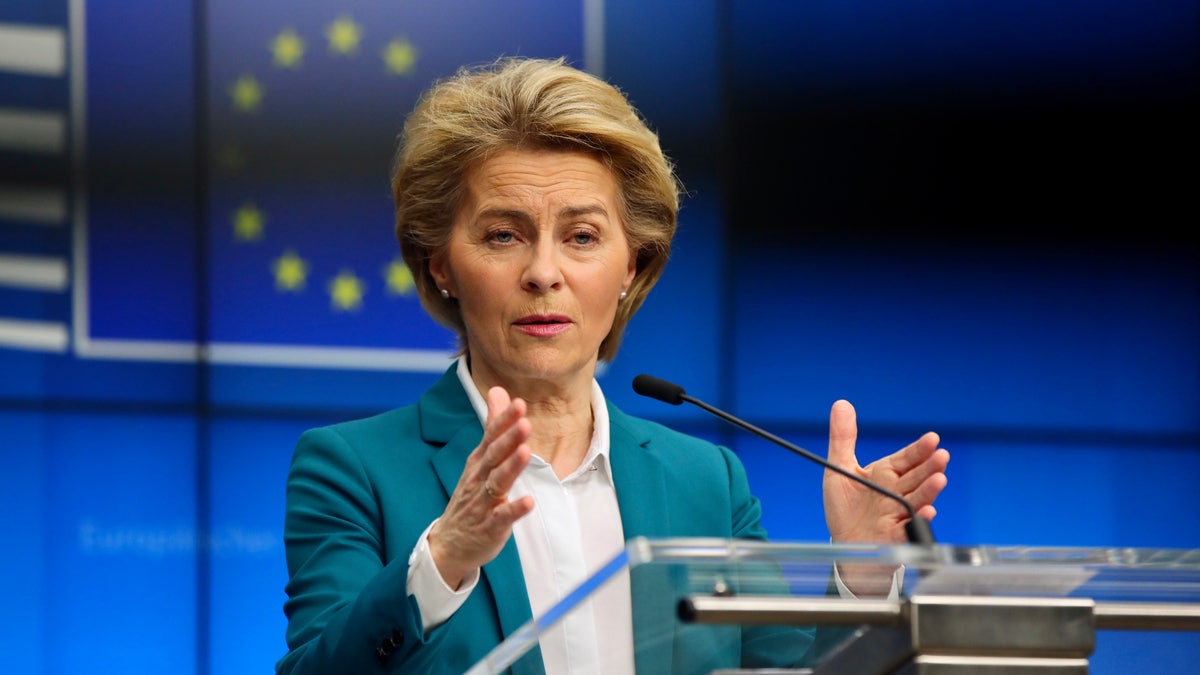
{"x":504,"y":445}
{"x":905,"y":459}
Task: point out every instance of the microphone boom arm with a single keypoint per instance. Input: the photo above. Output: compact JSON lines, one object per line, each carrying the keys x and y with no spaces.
{"x":917,"y":528}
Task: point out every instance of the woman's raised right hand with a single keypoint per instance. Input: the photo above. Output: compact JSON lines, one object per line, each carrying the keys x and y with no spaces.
{"x":479,"y":518}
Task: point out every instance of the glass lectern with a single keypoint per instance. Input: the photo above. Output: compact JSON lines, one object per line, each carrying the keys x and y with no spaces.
{"x":729,"y":606}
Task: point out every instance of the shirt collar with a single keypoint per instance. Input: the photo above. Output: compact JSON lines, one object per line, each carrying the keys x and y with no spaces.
{"x":597,"y":455}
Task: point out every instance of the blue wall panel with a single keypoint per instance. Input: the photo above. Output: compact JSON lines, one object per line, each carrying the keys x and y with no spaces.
{"x":23,"y":519}
{"x":1100,"y":342}
{"x":114,"y":563}
{"x":249,"y":462}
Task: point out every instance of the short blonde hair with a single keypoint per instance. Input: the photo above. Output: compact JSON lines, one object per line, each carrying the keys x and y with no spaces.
{"x":533,"y":104}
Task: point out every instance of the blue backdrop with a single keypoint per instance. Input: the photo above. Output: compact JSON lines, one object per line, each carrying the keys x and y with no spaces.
{"x":960,"y":219}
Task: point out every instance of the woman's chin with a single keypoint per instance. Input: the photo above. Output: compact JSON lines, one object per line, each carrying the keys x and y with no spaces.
{"x":551,"y":363}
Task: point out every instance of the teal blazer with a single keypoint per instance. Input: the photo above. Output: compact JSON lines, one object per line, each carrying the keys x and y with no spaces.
{"x":359,"y":494}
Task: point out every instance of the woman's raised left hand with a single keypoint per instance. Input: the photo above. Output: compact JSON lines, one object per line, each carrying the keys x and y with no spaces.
{"x":854,"y":512}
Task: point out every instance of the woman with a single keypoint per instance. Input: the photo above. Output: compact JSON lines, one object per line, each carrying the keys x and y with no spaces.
{"x":535,"y":210}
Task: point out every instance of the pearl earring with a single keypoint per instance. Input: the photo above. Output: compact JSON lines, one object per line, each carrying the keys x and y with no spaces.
{"x":623,"y":295}
{"x":445,"y":294}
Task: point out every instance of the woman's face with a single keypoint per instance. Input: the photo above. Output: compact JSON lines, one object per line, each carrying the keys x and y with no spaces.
{"x":537,"y":260}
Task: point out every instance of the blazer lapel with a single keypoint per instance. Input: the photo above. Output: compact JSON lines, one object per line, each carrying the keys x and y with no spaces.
{"x":639,"y":479}
{"x":640,"y":483}
{"x":448,"y":419}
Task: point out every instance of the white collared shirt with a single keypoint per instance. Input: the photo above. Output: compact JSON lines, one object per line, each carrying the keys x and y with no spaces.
{"x":573,"y":530}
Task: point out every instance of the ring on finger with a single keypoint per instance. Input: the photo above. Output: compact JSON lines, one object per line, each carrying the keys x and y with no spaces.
{"x":493,"y":492}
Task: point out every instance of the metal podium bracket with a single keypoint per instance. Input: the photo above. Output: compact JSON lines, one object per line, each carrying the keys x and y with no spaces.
{"x":949,"y":634}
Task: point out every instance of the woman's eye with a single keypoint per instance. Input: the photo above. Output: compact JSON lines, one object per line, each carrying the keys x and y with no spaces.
{"x":583,"y":238}
{"x":502,"y":237}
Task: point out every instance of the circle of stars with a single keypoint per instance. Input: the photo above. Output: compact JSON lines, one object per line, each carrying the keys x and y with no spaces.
{"x":248,"y":95}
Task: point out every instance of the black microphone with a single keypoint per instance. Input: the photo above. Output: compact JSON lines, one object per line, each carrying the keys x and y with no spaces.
{"x":917,"y":528}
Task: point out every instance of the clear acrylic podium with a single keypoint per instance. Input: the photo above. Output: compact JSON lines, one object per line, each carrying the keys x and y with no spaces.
{"x":729,"y":606}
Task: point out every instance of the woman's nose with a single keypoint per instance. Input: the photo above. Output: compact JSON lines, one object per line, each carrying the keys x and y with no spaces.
{"x":543,"y":271}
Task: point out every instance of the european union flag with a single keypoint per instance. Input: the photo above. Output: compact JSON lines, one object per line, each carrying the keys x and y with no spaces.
{"x":303,"y":105}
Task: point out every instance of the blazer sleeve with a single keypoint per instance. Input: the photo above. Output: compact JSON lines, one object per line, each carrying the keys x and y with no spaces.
{"x":763,"y":646}
{"x":746,"y":515}
{"x":347,"y":607}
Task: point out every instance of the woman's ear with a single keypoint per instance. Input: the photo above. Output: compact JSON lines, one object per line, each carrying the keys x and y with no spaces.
{"x":437,"y":270}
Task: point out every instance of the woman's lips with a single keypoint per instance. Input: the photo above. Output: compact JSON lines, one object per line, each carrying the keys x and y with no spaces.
{"x":543,"y":325}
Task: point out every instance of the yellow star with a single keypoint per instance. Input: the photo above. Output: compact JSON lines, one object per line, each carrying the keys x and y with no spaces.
{"x":248,"y":223}
{"x":290,"y":272}
{"x":344,"y":35}
{"x":399,"y":278}
{"x":288,"y":48}
{"x":346,"y":292}
{"x":400,"y":57}
{"x":247,"y":93}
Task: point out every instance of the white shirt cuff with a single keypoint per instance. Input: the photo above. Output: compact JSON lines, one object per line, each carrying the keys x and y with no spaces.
{"x":436,"y":600}
{"x":893,"y":593}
